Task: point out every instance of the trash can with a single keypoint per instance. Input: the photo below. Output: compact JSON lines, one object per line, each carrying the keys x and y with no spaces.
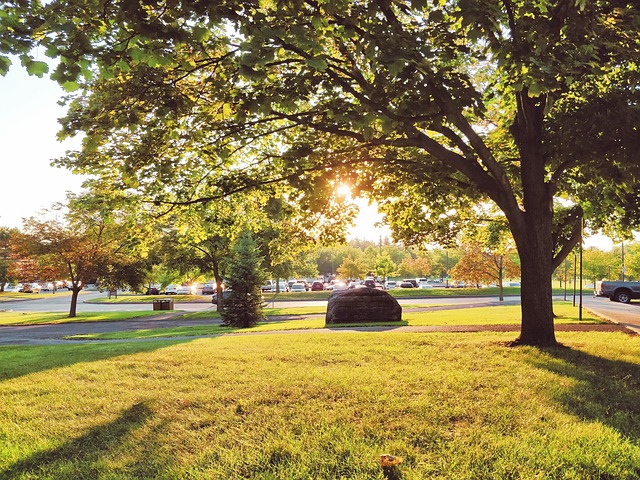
{"x":163,"y":304}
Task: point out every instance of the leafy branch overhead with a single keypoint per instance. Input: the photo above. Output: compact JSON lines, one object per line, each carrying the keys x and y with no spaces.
{"x":429,"y":106}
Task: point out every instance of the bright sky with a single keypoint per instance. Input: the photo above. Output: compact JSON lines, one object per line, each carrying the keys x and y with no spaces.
{"x":28,"y":126}
{"x":28,"y":183}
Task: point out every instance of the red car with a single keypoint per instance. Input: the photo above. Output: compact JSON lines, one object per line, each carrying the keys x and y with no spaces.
{"x":317,"y":286}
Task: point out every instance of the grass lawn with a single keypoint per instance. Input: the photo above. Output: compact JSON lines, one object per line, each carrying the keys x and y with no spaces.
{"x":13,"y":296}
{"x":509,"y":314}
{"x":35,"y":318}
{"x":284,"y":296}
{"x":323,"y":406}
{"x":136,"y":298}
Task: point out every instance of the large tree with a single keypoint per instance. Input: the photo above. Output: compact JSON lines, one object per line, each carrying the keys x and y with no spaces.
{"x":5,"y":255}
{"x":427,"y":105}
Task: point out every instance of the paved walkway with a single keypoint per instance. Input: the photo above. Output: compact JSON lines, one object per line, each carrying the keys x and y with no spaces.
{"x":49,"y":334}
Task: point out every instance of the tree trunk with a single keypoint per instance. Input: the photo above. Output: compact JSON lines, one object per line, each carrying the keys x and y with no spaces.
{"x":532,"y":227}
{"x":500,"y":281}
{"x":218,"y":278}
{"x":75,"y":290}
{"x":537,"y":326}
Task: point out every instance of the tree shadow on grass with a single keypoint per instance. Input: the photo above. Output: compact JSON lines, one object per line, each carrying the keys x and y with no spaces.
{"x":607,"y":391}
{"x":83,"y":457}
{"x":24,"y":360}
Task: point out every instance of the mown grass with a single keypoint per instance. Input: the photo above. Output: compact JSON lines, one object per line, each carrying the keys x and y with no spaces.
{"x":285,"y":296}
{"x":13,"y":296}
{"x":138,"y":298}
{"x":509,"y":314}
{"x":323,"y":406}
{"x":36,"y":318}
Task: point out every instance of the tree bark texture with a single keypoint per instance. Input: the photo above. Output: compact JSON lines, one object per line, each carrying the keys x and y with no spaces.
{"x":533,"y":229}
{"x":75,"y":290}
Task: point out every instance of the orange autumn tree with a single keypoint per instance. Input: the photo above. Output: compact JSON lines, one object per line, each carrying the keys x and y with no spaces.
{"x":487,"y":256}
{"x":52,"y":248}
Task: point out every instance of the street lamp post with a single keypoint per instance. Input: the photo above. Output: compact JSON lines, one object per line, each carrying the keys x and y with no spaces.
{"x":623,"y":268}
{"x":566,"y":280}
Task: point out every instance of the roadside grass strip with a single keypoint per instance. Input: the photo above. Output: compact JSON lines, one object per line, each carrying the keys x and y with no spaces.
{"x":13,"y":296}
{"x":134,"y":298}
{"x":508,"y":314}
{"x":37,"y":318}
{"x":323,"y":407}
{"x":466,"y":316}
{"x":284,"y":296}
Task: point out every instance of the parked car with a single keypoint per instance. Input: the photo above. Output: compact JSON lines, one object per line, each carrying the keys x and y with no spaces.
{"x":267,"y":287}
{"x":186,"y":290}
{"x":30,"y":288}
{"x":369,"y":282}
{"x":618,"y":291}
{"x":171,"y":289}
{"x":11,"y":288}
{"x":283,"y":287}
{"x":390,"y":285}
{"x":225,"y":295}
{"x":298,"y":287}
{"x":209,"y":288}
{"x":338,"y":286}
{"x":152,"y":291}
{"x":409,"y":283}
{"x":317,"y":286}
{"x":423,"y":283}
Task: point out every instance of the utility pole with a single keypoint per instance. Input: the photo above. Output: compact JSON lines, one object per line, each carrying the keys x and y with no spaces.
{"x":581,"y":240}
{"x":566,"y":280}
{"x":623,"y":267}
{"x":446,"y":268}
{"x":575,"y":274}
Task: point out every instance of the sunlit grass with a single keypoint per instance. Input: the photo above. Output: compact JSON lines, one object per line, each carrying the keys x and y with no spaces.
{"x":509,"y":314}
{"x":324,"y":295}
{"x":13,"y":296}
{"x":323,"y":406}
{"x":35,"y":318}
{"x":137,"y":298}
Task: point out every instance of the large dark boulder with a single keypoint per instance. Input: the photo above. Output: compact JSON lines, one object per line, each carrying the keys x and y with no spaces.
{"x":362,"y":305}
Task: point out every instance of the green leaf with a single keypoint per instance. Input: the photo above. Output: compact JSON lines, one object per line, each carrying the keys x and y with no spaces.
{"x":201,"y":34}
{"x":37,"y":68}
{"x":317,"y":63}
{"x":5,"y":63}
{"x":70,"y":86}
{"x":535,"y":89}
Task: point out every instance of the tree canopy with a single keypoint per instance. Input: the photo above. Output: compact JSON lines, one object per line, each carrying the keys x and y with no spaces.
{"x":428,"y":106}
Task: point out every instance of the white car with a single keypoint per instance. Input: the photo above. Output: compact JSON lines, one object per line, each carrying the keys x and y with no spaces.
{"x":11,"y":288}
{"x":424,"y":284}
{"x":185,"y":290}
{"x":171,"y":289}
{"x":281,"y":286}
{"x":298,"y":287}
{"x":390,"y":285}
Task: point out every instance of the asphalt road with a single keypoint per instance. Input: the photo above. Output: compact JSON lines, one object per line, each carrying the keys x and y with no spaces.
{"x":60,"y":303}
